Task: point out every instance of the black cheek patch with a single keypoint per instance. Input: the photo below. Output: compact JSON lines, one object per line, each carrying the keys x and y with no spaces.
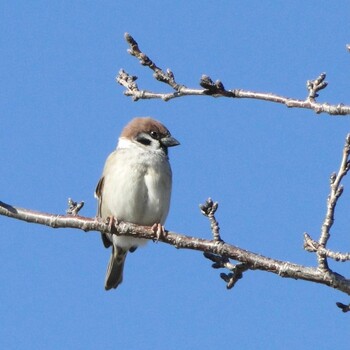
{"x":143,"y":140}
{"x":165,"y":149}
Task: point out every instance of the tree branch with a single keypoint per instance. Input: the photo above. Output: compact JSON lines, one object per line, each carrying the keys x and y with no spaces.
{"x":312,"y":246}
{"x":74,"y":207}
{"x":208,"y":209}
{"x":253,"y":260}
{"x":336,"y":190}
{"x":217,"y":89}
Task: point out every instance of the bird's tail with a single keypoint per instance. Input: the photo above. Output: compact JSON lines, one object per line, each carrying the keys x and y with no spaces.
{"x":114,"y":275}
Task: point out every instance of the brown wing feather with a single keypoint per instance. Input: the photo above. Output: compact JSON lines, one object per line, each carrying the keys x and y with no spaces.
{"x":98,"y":194}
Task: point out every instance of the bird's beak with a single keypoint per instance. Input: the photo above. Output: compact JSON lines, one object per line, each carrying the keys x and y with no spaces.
{"x":169,"y":141}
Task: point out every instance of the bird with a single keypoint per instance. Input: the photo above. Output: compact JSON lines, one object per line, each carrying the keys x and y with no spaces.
{"x":135,"y":187}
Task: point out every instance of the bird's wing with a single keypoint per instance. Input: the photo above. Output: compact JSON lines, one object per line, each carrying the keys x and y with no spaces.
{"x":98,"y":194}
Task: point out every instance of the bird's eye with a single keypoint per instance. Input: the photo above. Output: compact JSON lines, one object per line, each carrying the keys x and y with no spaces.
{"x":154,"y":134}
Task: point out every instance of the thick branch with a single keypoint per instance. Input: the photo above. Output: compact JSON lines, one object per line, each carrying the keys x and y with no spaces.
{"x":217,"y":89}
{"x":253,"y":260}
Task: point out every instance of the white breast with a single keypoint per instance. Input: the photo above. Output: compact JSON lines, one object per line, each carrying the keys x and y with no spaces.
{"x":137,"y":189}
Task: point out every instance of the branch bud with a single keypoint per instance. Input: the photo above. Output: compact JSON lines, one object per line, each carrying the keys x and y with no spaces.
{"x":333,"y":178}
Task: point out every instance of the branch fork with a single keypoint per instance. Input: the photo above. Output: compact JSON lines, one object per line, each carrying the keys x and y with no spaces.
{"x":336,"y":190}
{"x":208,"y":209}
{"x":217,"y":89}
{"x":74,"y":207}
{"x":316,"y":85}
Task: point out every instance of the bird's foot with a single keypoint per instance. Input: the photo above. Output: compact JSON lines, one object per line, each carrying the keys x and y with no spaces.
{"x":112,"y":222}
{"x":159,"y":230}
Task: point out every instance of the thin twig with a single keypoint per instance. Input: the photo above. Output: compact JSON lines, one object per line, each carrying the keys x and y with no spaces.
{"x":128,"y":81}
{"x":208,"y":209}
{"x":217,"y":89}
{"x":237,"y":273}
{"x":74,"y":207}
{"x":311,"y":245}
{"x":165,"y":77}
{"x":336,"y":190}
{"x":313,"y":86}
{"x":223,"y":262}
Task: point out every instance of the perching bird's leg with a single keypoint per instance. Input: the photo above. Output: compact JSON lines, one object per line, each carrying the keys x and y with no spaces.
{"x":159,"y":230}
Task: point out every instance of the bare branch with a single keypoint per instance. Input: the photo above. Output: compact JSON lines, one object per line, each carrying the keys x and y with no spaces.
{"x":335,"y":193}
{"x":74,"y":207}
{"x":237,"y":273}
{"x":219,"y":261}
{"x":123,"y":78}
{"x":165,"y":77}
{"x":316,"y":85}
{"x":223,"y":262}
{"x":128,"y":81}
{"x":208,"y":209}
{"x":217,"y":89}
{"x":253,"y":260}
{"x":312,"y":246}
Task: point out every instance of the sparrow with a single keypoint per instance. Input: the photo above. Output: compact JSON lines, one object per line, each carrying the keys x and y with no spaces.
{"x":135,"y":187}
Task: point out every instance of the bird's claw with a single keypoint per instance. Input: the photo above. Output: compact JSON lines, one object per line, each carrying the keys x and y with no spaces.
{"x":112,"y":223}
{"x":159,"y":231}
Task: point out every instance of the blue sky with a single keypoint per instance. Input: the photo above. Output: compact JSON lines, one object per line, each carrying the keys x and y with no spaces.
{"x":268,"y":166}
